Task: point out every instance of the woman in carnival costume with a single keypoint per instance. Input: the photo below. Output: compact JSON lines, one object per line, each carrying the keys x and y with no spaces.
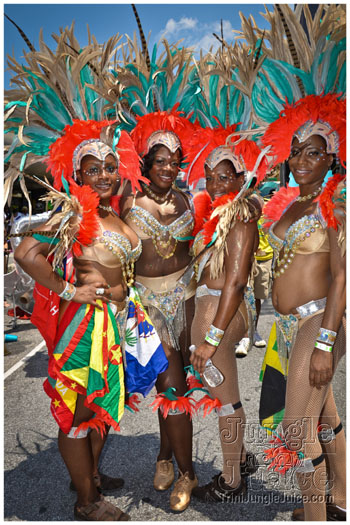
{"x":57,"y":117}
{"x":226,"y":240}
{"x":97,"y":252}
{"x":307,"y":234}
{"x":162,"y":216}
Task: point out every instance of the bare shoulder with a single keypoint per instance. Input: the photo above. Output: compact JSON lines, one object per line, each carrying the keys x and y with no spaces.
{"x":249,"y":229}
{"x":126,"y":199}
{"x":184,"y":197}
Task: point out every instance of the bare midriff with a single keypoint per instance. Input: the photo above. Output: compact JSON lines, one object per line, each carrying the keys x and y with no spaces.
{"x":308,"y":278}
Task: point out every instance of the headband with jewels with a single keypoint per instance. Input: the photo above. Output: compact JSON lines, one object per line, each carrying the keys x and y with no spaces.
{"x":63,"y":153}
{"x":323,"y":115}
{"x":209,"y":146}
{"x":155,"y":127}
{"x":224,"y":153}
{"x":165,"y":138}
{"x":319,"y":128}
{"x":93,"y":147}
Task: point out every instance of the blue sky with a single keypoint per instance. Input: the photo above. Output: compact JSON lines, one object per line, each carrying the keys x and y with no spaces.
{"x":194,"y":23}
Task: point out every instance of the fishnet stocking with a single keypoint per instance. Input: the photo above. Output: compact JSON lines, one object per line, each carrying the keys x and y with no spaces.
{"x":304,"y":405}
{"x":231,"y":427}
{"x":335,"y":452}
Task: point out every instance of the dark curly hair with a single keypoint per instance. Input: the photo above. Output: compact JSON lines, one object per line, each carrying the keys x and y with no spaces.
{"x":148,"y":160}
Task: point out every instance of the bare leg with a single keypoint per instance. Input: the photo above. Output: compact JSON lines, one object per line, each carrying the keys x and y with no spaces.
{"x":78,"y":457}
{"x":178,"y":427}
{"x":180,"y":424}
{"x":165,"y":450}
{"x":97,"y":444}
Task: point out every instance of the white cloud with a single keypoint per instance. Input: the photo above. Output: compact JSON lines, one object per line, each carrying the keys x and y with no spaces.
{"x":208,"y":41}
{"x":173,"y":27}
{"x":195,"y":34}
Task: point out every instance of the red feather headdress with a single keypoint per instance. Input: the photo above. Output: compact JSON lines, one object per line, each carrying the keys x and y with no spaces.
{"x":327,"y":109}
{"x":60,"y":160}
{"x":204,"y":141}
{"x":172,"y":120}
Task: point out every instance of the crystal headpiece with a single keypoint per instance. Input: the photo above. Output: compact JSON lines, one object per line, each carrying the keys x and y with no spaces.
{"x":94,"y":147}
{"x":224,"y":153}
{"x":169,"y":139}
{"x":319,"y":128}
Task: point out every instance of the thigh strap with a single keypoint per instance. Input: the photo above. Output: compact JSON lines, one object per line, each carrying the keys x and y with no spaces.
{"x":308,"y":465}
{"x":318,"y":460}
{"x":338,"y":429}
{"x":327,"y":435}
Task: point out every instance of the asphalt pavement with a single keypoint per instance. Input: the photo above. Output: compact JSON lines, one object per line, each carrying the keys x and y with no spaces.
{"x":36,"y":483}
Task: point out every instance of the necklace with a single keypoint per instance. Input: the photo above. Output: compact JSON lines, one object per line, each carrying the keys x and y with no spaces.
{"x":106,"y":208}
{"x":160,"y":199}
{"x":310,"y":196}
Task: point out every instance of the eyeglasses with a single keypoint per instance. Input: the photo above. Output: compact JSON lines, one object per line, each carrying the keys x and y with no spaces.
{"x":97,"y":170}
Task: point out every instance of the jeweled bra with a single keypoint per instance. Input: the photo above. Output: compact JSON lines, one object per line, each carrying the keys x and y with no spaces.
{"x":178,"y":229}
{"x":162,"y":234}
{"x":296,"y":233}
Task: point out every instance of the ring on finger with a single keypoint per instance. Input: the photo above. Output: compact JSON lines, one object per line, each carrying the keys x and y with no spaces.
{"x":100,"y":291}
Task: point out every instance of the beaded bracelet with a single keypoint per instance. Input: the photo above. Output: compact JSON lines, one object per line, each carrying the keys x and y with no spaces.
{"x":326,"y":336}
{"x":68,"y":292}
{"x":323,"y":346}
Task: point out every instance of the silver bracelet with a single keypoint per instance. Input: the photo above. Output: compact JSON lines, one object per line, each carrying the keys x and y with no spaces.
{"x":211,"y":341}
{"x":215,"y":334}
{"x":68,"y":292}
{"x":323,"y":346}
{"x":327,"y":336}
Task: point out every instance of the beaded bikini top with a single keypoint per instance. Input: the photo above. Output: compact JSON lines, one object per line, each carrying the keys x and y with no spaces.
{"x":305,"y":236}
{"x":148,"y":226}
{"x":112,"y":250}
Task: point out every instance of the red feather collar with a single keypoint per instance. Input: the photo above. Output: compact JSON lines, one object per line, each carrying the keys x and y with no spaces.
{"x":326,"y":203}
{"x":89,"y":225}
{"x":204,"y":207}
{"x":274,"y":209}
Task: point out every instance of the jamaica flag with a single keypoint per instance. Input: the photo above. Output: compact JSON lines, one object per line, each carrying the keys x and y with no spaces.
{"x":273,"y":390}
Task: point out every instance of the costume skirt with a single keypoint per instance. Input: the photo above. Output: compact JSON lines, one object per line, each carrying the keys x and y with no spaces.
{"x":164,"y":298}
{"x":87,"y":359}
